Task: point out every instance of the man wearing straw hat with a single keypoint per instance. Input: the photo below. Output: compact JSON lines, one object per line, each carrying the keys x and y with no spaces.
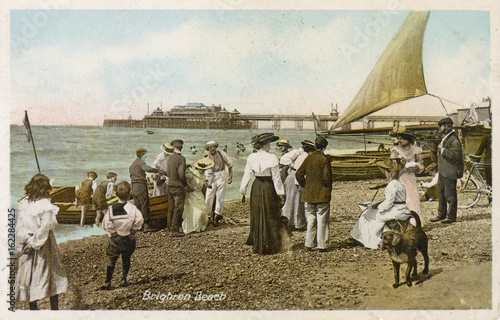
{"x":217,"y":189}
{"x":160,"y":162}
{"x":138,"y":171}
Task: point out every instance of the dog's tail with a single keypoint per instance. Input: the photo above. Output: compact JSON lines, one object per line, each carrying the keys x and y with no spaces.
{"x":417,"y":218}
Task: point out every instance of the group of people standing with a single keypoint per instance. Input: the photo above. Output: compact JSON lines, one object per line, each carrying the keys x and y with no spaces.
{"x":292,"y":190}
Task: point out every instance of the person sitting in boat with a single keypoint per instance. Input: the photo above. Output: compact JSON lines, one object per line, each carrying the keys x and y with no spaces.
{"x":102,"y":194}
{"x":84,"y":193}
{"x":122,"y":220}
{"x":195,"y":215}
{"x":369,"y":227}
{"x":160,"y":181}
{"x":411,"y":156}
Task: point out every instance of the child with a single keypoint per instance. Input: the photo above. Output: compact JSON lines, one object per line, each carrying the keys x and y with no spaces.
{"x":40,"y":272}
{"x":121,"y":220}
{"x":84,"y":194}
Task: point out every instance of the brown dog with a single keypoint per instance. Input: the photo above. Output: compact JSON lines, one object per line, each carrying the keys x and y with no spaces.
{"x":402,"y":248}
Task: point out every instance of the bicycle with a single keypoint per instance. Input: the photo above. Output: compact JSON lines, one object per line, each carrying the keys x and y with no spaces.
{"x":473,"y":184}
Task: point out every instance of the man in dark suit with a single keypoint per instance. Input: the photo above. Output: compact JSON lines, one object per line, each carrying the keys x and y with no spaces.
{"x":315,"y":176}
{"x":450,"y":168}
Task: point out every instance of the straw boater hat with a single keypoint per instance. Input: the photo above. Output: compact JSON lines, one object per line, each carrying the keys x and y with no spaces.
{"x":307,"y":142}
{"x":267,"y":137}
{"x":167,"y":147}
{"x":139,"y":152}
{"x":401,"y":131}
{"x":204,"y":164}
{"x":211,"y":143}
{"x":284,"y":142}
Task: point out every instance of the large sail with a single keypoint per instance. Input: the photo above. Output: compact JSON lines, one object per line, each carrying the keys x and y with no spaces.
{"x":398,"y":75}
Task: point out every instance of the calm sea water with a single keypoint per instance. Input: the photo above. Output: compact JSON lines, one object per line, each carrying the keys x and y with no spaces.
{"x":65,"y":154}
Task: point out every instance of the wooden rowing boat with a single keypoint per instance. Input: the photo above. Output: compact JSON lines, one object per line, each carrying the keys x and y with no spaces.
{"x":69,"y":213}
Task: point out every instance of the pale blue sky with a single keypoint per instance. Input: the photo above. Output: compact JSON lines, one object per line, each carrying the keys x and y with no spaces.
{"x":78,"y":66}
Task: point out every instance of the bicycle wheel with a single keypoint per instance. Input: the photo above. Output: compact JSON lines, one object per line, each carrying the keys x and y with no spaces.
{"x":467,"y":194}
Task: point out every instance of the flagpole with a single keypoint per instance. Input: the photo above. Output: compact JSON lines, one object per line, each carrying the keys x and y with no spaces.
{"x":31,"y":137}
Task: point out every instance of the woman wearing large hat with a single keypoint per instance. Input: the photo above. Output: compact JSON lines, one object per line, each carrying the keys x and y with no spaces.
{"x":195,"y":214}
{"x":411,"y":156}
{"x":266,"y":196}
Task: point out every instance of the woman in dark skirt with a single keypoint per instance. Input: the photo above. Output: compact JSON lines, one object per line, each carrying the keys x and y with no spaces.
{"x":266,"y":196}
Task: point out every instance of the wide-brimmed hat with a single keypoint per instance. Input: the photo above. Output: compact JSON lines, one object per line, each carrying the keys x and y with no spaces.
{"x":307,"y":142}
{"x":167,"y":147}
{"x":139,"y":152}
{"x":283,"y":142}
{"x":445,"y":121}
{"x":204,"y":164}
{"x":264,"y":138}
{"x":211,"y":143}
{"x":177,"y":143}
{"x":320,"y":142}
{"x":401,"y":131}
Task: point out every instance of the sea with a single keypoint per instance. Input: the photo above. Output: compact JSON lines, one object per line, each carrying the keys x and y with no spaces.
{"x":66,"y":153}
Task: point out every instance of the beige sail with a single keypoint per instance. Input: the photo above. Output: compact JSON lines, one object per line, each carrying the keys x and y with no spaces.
{"x":397,"y":76}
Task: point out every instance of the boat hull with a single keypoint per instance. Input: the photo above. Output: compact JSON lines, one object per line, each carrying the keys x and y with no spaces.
{"x":69,"y":213}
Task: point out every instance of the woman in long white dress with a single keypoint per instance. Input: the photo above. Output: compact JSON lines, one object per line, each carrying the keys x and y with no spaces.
{"x":411,"y":156}
{"x":40,"y":272}
{"x":368,"y":229}
{"x":195,"y":215}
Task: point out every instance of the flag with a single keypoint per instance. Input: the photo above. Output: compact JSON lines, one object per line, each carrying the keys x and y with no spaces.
{"x":27,"y":126}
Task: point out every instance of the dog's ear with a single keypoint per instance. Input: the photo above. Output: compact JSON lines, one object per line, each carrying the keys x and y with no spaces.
{"x":396,"y":238}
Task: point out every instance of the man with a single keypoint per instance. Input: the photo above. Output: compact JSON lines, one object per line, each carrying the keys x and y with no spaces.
{"x":450,"y":168}
{"x":315,"y":176}
{"x":284,"y":147}
{"x":102,"y":194}
{"x":140,"y":194}
{"x":217,"y":189}
{"x":176,"y":173}
{"x":160,"y":163}
{"x":84,"y":194}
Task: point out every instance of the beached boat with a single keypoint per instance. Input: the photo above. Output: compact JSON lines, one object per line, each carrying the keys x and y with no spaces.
{"x":69,"y":213}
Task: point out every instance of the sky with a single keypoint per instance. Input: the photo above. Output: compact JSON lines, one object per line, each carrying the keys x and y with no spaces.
{"x":78,"y":67}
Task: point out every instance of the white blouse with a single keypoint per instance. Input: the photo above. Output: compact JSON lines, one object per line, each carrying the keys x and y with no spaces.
{"x":35,"y":220}
{"x":262,"y":164}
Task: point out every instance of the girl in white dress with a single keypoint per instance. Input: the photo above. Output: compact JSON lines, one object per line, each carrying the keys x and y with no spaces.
{"x":40,"y":273}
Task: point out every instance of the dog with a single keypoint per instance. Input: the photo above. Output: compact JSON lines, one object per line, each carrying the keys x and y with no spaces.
{"x":402,"y":248}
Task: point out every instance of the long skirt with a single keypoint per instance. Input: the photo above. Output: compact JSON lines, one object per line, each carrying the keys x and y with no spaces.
{"x":194,"y":216}
{"x":41,"y":274}
{"x":265,"y":221}
{"x":294,"y":208}
{"x":412,"y":196}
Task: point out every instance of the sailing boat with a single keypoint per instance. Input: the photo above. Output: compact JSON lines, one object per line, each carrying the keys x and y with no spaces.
{"x":397,"y":76}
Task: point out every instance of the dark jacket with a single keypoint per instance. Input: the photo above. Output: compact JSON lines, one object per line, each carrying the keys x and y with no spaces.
{"x":138,"y":171}
{"x":450,"y":160}
{"x":176,"y":170}
{"x":315,"y":175}
{"x":84,"y":194}
{"x":99,"y":197}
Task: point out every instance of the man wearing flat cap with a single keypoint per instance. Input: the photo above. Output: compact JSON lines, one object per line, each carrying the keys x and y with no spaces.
{"x":140,"y":194}
{"x":450,"y":168}
{"x":315,"y":176}
{"x":217,"y":189}
{"x":176,"y":173}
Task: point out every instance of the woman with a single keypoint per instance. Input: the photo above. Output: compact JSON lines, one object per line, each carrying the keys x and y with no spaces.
{"x":266,"y":196}
{"x":195,"y":215}
{"x":122,"y":220}
{"x":40,"y":273}
{"x":294,"y":207}
{"x":368,"y":228}
{"x":411,"y":155}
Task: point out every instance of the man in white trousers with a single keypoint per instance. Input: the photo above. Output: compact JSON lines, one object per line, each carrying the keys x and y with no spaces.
{"x":217,"y":189}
